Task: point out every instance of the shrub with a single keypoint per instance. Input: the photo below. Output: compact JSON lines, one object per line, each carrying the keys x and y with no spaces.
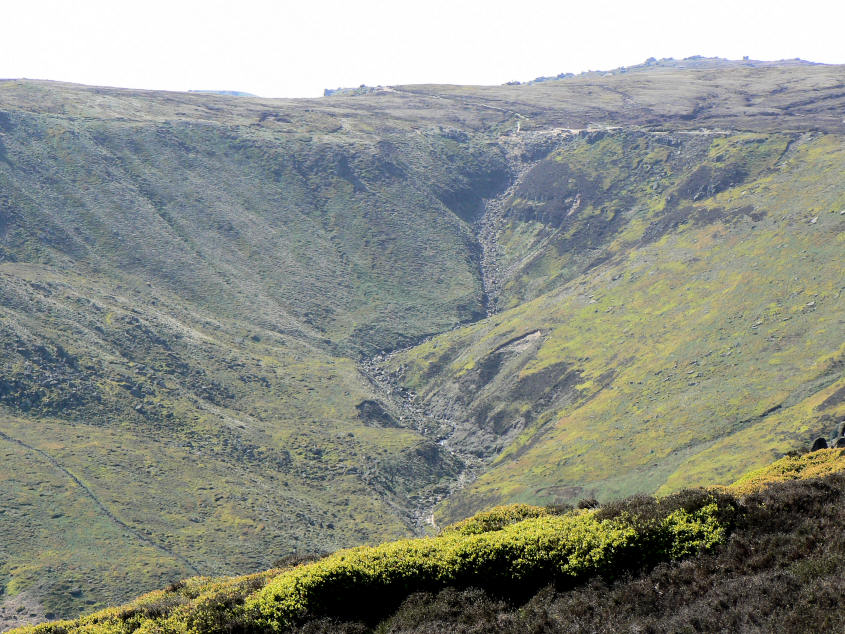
{"x":814,"y":465}
{"x":527,"y":553}
{"x":785,"y":550}
{"x":495,"y":519}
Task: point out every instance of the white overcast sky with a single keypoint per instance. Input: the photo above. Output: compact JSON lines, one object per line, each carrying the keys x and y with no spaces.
{"x":295,"y":49}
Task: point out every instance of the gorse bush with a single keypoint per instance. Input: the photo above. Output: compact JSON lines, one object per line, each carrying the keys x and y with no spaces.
{"x":812,"y":465}
{"x":499,"y":551}
{"x":564,"y":548}
{"x":780,"y":570}
{"x":495,"y":518}
{"x":199,"y":604}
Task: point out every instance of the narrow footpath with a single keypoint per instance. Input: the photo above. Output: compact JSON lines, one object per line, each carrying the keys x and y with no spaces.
{"x":89,"y":493}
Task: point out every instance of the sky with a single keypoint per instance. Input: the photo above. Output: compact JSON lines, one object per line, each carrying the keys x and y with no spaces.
{"x":296,"y":49}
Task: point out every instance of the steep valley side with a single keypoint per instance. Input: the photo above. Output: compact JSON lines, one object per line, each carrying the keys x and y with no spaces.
{"x":693,"y":327}
{"x":182,"y":300}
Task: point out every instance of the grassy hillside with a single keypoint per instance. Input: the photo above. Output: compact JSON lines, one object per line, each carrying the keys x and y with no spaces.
{"x":192,"y":287}
{"x":183,"y":301}
{"x":677,"y":316}
{"x":510,"y":552}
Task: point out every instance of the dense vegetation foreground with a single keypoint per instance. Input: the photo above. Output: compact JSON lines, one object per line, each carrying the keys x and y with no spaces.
{"x":765,"y":554}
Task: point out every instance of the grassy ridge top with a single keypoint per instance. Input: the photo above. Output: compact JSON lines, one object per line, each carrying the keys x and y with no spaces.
{"x":721,"y":94}
{"x":520,"y":545}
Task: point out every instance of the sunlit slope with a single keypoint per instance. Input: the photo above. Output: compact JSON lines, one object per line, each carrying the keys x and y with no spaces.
{"x":600,"y":194}
{"x":185,"y":284}
{"x":707,"y":339}
{"x":143,"y":442}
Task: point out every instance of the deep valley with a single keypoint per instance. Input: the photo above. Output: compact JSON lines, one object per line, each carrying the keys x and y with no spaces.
{"x":237,"y":330}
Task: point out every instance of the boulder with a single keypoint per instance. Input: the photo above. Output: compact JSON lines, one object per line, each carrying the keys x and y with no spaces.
{"x":819,"y":443}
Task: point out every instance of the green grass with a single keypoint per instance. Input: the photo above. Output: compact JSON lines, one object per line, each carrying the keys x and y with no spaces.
{"x":681,"y":359}
{"x":187,"y":282}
